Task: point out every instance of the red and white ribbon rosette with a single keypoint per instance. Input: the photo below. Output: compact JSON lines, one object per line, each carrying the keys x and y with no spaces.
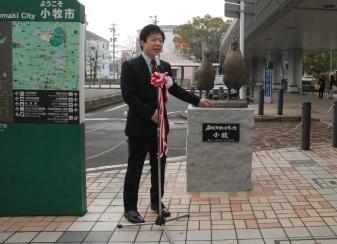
{"x":159,"y":79}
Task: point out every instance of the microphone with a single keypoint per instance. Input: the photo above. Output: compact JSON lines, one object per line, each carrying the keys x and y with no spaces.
{"x":157,"y":58}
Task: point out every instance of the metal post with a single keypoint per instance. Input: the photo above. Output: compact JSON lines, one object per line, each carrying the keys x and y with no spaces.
{"x":242,"y":27}
{"x":306,"y":124}
{"x":192,"y":90}
{"x":182,"y":75}
{"x":334,"y":130}
{"x":242,"y":92}
{"x":261,"y":100}
{"x":247,"y":94}
{"x":221,"y":93}
{"x":280,"y":102}
{"x":330,"y":61}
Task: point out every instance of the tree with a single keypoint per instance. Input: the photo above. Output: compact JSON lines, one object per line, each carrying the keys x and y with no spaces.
{"x":190,"y":37}
{"x":92,"y":61}
{"x":131,"y":45}
{"x":319,"y":62}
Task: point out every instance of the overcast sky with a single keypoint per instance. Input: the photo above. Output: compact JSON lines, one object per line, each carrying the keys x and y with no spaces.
{"x":131,"y":15}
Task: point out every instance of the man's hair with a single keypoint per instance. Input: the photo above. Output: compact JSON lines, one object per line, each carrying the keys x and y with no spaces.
{"x":148,"y":30}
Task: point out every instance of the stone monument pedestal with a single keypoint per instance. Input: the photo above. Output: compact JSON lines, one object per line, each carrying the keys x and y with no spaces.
{"x":219,"y":147}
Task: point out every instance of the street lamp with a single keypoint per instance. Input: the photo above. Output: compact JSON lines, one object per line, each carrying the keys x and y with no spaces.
{"x":114,"y":40}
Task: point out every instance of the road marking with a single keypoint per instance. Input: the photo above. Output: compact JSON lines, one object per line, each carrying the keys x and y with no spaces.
{"x":106,"y":151}
{"x":113,"y":120}
{"x":103,"y":119}
{"x":111,"y":109}
{"x":174,"y":112}
{"x":124,"y":166}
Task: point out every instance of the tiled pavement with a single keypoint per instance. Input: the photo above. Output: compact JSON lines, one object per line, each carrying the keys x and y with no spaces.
{"x":293,"y":200}
{"x":271,"y":134}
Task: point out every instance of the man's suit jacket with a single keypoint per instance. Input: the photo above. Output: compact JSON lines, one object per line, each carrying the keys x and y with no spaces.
{"x":141,"y":96}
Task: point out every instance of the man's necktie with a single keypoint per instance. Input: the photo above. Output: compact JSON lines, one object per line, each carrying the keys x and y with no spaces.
{"x":153,"y":66}
{"x":154,"y":69}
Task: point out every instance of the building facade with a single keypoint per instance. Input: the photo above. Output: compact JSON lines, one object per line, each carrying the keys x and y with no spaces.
{"x":174,"y":57}
{"x":97,"y":56}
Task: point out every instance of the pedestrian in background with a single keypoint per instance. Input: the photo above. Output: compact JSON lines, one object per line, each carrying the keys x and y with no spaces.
{"x":321,"y":83}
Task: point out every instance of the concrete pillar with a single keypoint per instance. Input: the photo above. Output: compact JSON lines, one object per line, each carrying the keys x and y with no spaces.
{"x":248,"y":76}
{"x":295,"y":70}
{"x":277,"y":72}
{"x":258,"y":72}
{"x":254,"y":70}
{"x":254,"y":75}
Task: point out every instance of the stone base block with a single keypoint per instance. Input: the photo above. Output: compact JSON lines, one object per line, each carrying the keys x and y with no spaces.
{"x":219,"y":166}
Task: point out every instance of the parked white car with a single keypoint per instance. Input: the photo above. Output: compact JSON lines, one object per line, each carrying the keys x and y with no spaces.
{"x":218,"y":83}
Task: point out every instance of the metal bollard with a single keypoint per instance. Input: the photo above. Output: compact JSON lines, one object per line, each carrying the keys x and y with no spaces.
{"x":261,"y":100}
{"x":334,"y":129}
{"x":306,"y":124}
{"x":280,"y":102}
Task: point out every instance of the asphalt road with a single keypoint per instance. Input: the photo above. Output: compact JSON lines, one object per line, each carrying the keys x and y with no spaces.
{"x":105,"y":140}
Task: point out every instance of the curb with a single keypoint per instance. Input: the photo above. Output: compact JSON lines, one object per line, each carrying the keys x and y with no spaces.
{"x":271,"y":118}
{"x":124,"y":166}
{"x":261,"y":118}
{"x":100,"y":102}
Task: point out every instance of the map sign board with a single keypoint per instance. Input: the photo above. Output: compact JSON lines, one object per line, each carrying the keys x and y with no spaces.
{"x":42,"y":10}
{"x":41,"y":50}
{"x":43,"y":57}
{"x":54,"y":47}
{"x":46,"y":106}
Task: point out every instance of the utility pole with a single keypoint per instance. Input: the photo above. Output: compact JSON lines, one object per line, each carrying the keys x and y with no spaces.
{"x":154,"y":21}
{"x":238,"y":9}
{"x":113,"y":39}
{"x":330,"y":61}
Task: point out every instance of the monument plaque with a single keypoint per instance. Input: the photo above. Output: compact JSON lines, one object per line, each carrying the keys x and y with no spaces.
{"x":220,"y":132}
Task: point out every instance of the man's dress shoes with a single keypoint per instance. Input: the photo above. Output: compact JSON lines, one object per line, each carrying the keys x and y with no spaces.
{"x":134,"y":217}
{"x":164,"y":210}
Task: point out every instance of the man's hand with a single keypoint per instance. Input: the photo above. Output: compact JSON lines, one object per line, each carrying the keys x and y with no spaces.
{"x":155,"y":117}
{"x":206,"y":103}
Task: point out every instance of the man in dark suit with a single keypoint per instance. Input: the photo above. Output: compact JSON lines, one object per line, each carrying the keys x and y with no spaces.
{"x":142,"y":119}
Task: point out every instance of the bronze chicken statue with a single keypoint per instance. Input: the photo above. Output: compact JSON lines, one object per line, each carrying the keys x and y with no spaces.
{"x":205,"y":73}
{"x":234,"y":68}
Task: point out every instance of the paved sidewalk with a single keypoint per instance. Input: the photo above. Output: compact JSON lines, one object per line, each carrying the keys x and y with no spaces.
{"x":321,"y":109}
{"x":293,"y":198}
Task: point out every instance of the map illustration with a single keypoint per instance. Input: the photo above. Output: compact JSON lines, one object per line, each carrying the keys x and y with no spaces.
{"x":45,"y":55}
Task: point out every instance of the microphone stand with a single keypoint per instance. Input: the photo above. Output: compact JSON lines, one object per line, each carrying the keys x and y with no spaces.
{"x":160,"y":221}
